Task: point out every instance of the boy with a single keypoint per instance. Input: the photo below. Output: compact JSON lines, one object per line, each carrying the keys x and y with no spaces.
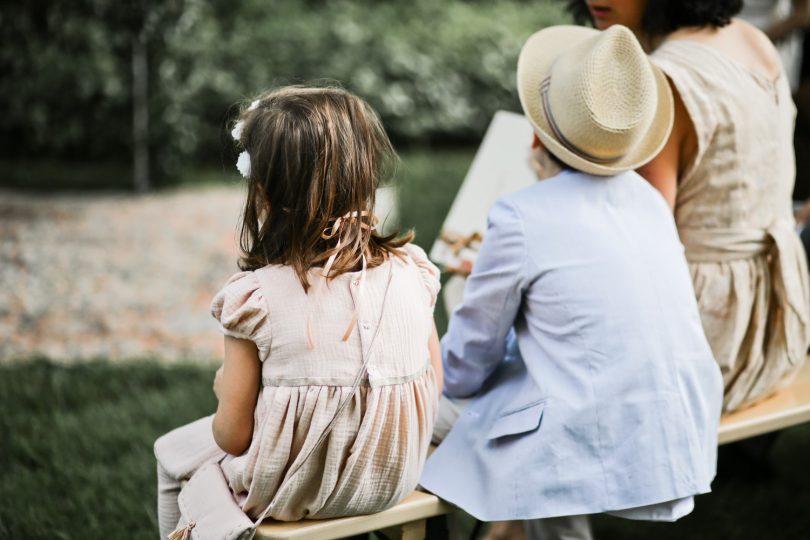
{"x":613,"y":402}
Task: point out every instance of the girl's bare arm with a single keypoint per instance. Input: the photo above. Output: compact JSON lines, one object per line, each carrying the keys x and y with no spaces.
{"x":236,"y":386}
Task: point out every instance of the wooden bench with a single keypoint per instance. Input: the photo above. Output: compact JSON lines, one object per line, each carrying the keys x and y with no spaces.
{"x":406,"y":521}
{"x":789,"y":407}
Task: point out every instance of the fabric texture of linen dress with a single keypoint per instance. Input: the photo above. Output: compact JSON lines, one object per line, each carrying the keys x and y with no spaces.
{"x":734,"y":216}
{"x":373,"y":456}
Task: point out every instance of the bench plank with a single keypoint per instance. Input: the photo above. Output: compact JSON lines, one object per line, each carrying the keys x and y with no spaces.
{"x":415,"y":507}
{"x":789,"y":407}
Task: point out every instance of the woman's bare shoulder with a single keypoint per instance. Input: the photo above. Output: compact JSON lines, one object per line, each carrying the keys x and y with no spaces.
{"x":748,"y":45}
{"x":739,"y":41}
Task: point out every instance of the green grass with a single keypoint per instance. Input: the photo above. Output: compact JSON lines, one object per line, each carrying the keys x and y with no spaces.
{"x":76,"y":446}
{"x":76,"y":460}
{"x":427,"y":182}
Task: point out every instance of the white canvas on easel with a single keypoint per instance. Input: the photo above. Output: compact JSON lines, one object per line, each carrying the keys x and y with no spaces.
{"x":501,"y":166}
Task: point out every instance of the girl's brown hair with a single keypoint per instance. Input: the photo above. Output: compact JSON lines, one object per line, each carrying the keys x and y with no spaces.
{"x":316,"y":154}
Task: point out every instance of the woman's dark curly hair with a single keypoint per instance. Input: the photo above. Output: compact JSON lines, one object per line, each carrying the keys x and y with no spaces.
{"x":662,"y":17}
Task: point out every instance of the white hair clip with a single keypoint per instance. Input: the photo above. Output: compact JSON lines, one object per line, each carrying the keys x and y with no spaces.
{"x":243,"y":162}
{"x":236,"y":132}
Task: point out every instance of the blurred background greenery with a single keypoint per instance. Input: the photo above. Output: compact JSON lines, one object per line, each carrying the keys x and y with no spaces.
{"x":83,"y":78}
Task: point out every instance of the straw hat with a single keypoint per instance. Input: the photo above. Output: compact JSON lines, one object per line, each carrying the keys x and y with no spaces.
{"x":596,"y":101}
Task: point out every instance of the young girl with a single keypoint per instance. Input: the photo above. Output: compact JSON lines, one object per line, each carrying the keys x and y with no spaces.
{"x":321,"y":293}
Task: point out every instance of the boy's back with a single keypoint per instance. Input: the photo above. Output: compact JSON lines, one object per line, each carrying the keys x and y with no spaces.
{"x":607,"y":275}
{"x":621,"y":402}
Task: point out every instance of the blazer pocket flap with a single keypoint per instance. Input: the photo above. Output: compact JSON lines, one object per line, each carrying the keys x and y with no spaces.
{"x":515,"y":422}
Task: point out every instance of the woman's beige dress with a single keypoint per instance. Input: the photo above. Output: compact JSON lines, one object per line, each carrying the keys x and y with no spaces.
{"x":374,"y":454}
{"x":734,"y":216}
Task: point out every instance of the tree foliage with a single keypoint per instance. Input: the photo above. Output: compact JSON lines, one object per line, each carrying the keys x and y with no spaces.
{"x":436,"y":71}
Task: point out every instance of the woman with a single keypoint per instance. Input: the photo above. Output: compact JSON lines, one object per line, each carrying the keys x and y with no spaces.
{"x":728,"y":172}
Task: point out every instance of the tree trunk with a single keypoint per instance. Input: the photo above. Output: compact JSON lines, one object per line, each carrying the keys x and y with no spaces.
{"x":140,"y":114}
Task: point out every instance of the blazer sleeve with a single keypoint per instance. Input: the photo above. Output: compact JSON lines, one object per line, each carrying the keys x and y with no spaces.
{"x":475,"y":342}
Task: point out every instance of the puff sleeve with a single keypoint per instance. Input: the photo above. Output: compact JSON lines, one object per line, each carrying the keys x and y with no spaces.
{"x":242,"y":312}
{"x":428,"y":271}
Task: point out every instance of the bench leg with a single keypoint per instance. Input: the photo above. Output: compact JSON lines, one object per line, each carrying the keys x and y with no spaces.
{"x":414,"y":530}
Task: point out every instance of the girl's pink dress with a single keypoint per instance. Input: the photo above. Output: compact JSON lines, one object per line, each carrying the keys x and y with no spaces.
{"x":373,"y":456}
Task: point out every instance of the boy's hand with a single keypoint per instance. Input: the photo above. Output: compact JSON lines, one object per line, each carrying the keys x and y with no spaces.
{"x":463,"y":268}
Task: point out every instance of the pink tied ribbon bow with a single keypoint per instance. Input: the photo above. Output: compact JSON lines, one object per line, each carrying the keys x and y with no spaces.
{"x":329,"y":233}
{"x":182,"y":533}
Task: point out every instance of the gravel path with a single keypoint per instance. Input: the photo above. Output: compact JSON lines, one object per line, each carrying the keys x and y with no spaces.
{"x":118,"y":276}
{"x":115,"y":276}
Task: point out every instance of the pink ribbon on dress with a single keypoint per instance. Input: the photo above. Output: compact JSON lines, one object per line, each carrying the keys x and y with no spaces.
{"x":328,"y":234}
{"x":183,"y":532}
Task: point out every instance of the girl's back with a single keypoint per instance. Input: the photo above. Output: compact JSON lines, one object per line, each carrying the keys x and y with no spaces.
{"x":373,"y":455}
{"x":741,"y":42}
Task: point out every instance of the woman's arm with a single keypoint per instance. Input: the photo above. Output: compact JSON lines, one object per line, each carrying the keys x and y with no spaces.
{"x":667,"y":167}
{"x":236,"y":386}
{"x":436,"y":359}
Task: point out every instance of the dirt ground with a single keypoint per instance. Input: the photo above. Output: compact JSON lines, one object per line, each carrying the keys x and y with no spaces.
{"x":115,"y":276}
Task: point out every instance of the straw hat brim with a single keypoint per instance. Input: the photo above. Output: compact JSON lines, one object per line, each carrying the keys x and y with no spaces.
{"x":534,"y":63}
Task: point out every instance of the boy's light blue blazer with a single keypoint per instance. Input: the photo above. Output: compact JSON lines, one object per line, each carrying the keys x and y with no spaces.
{"x":616,"y":401}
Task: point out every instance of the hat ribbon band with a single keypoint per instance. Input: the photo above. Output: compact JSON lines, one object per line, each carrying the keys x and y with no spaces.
{"x":544,"y":86}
